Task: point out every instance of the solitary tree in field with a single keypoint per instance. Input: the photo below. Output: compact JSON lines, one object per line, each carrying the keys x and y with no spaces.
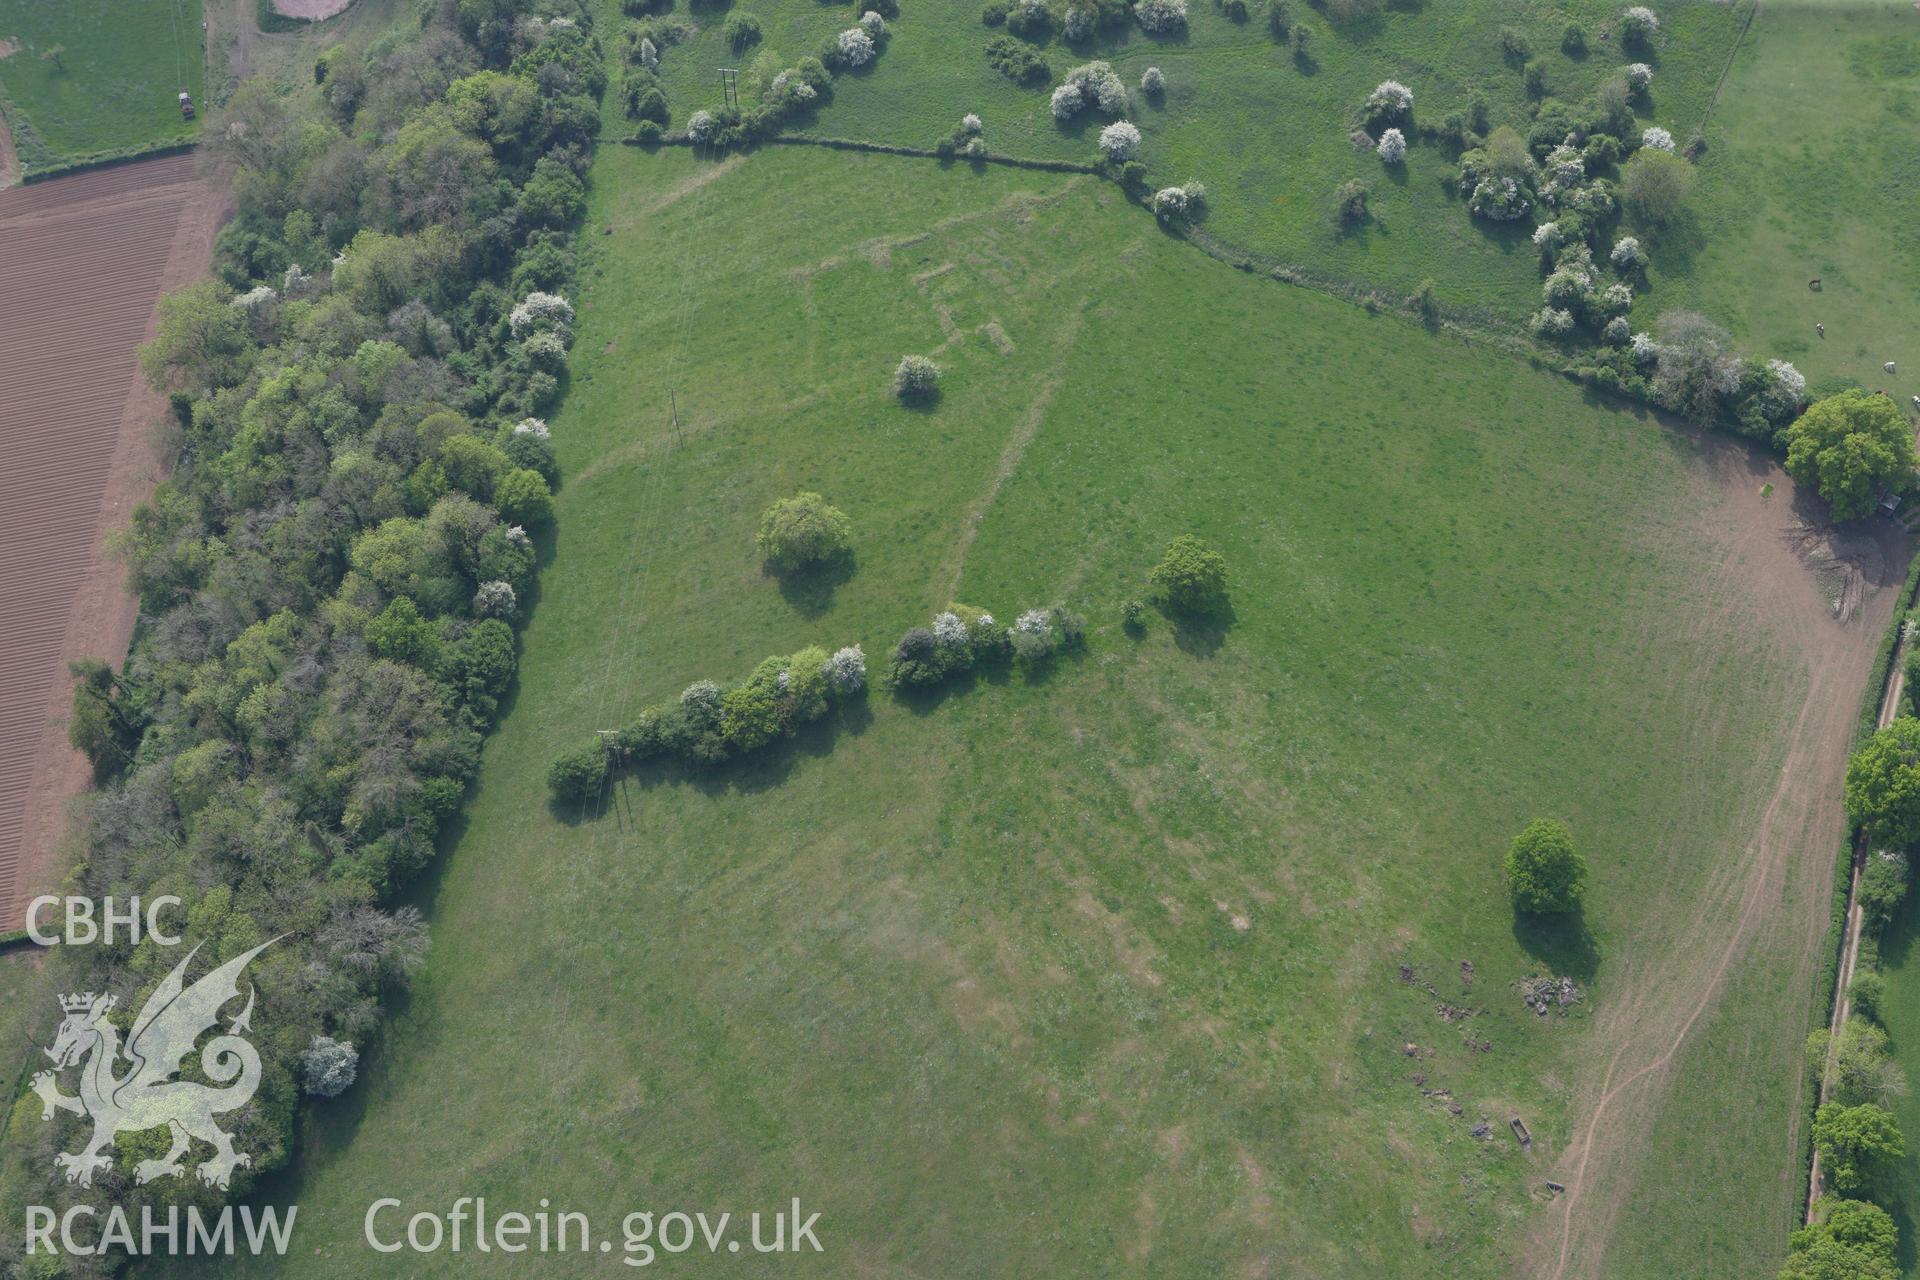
{"x":803,"y":530}
{"x":1191,"y":577}
{"x":915,"y":378}
{"x":1852,"y":445}
{"x":57,"y":55}
{"x":1857,"y":1143}
{"x":1545,"y":874}
{"x":1883,"y":783}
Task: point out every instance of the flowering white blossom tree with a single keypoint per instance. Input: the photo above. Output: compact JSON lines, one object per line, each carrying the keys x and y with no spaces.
{"x":701,"y":701}
{"x":1786,"y":394}
{"x":1499,"y":200}
{"x":1389,"y":101}
{"x":1151,"y":81}
{"x":1618,"y":332}
{"x":846,"y":670}
{"x":1552,"y":322}
{"x":539,"y":311}
{"x":649,"y":56}
{"x":1639,"y":76}
{"x":258,"y":296}
{"x":1657,"y":138}
{"x":949,"y":632}
{"x":1092,"y":85}
{"x":1566,"y":286}
{"x":1627,"y":254}
{"x":856,"y":47}
{"x":1035,"y":635}
{"x":702,"y":125}
{"x":1638,"y":24}
{"x":295,"y":280}
{"x":1393,"y":147}
{"x":1160,"y":16}
{"x":494,"y":599}
{"x":1645,"y":349}
{"x":1617,"y":298}
{"x":1170,"y":203}
{"x":1789,"y":379}
{"x":329,"y":1066}
{"x":873,"y":24}
{"x":1120,"y":140}
{"x":1077,"y":25}
{"x":1547,"y":236}
{"x":536,"y":427}
{"x":517,"y":537}
{"x":970,"y":123}
{"x":915,"y":376}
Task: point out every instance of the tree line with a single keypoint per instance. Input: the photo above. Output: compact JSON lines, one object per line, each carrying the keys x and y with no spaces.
{"x":332,"y":575}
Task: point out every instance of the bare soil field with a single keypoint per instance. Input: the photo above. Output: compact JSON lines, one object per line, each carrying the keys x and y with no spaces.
{"x":82,"y":260}
{"x":311,"y":10}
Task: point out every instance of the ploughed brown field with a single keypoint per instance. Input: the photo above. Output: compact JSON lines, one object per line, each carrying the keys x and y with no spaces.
{"x":82,"y":260}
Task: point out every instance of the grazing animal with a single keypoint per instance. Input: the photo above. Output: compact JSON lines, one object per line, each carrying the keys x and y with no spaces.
{"x":1888,"y":366}
{"x":1820,"y":329}
{"x":1814,"y":284}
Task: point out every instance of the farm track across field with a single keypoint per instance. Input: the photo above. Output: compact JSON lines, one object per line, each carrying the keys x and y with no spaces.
{"x":83,"y":260}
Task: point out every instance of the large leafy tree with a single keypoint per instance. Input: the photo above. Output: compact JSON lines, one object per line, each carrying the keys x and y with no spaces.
{"x":1883,"y":783}
{"x":1545,"y":873}
{"x":1848,"y":1240}
{"x":1857,"y":1143}
{"x":1852,"y":445}
{"x":803,"y":530}
{"x":1191,"y":577}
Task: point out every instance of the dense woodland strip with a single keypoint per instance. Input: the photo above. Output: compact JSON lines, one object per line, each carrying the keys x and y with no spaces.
{"x":331,"y":577}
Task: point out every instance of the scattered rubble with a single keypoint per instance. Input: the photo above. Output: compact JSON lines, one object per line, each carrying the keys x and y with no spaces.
{"x":1482,"y":1131}
{"x":1520,"y":1132}
{"x":1544,"y":995}
{"x":1466,"y":973}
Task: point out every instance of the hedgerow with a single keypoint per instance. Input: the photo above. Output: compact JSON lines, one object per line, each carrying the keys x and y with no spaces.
{"x":709,"y":723}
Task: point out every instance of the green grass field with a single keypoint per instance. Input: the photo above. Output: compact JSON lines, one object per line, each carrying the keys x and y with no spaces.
{"x":1811,"y":169}
{"x":1096,"y":973}
{"x":1900,"y":1011}
{"x":1264,"y":130}
{"x":114,"y":87}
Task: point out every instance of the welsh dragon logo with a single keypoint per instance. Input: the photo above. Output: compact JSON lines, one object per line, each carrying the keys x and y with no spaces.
{"x":146,"y":1095}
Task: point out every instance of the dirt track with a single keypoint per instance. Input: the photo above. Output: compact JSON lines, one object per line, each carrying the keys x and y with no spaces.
{"x":82,"y":260}
{"x":1780,"y":881}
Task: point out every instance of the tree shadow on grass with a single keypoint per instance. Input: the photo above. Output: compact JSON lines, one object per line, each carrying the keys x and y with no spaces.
{"x":924,"y":402}
{"x":1562,"y":943}
{"x":1515,"y":233}
{"x":809,"y":589}
{"x":1201,"y":634}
